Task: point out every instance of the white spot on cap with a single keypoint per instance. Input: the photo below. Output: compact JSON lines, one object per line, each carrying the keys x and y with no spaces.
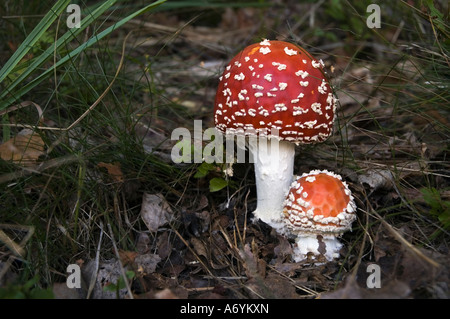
{"x":304,"y":83}
{"x":279,"y":65}
{"x":310,"y":124}
{"x":241,"y":94}
{"x":302,"y":73}
{"x":265,"y":42}
{"x":239,"y":77}
{"x":322,"y":88}
{"x":316,"y":107}
{"x":268,"y":77}
{"x":310,"y":179}
{"x":315,"y":64}
{"x":265,"y":50}
{"x":290,"y":52}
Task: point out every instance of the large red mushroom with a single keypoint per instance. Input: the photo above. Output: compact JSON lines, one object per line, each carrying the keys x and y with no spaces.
{"x":278,"y":92}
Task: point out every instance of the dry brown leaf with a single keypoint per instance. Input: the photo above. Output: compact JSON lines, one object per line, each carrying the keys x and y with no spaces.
{"x":165,"y":294}
{"x":199,"y":247}
{"x":23,"y":149}
{"x":114,"y":171}
{"x":254,"y":267}
{"x":127,"y":257}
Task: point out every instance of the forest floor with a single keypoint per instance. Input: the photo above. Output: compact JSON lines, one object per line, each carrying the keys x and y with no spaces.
{"x":105,"y":195}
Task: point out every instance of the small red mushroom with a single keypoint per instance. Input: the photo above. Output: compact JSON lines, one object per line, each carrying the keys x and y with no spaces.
{"x":276,"y":91}
{"x":318,"y":208}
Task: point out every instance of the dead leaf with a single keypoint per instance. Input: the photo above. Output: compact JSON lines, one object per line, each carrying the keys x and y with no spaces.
{"x":147,"y":262}
{"x":127,"y":257}
{"x":165,"y":294}
{"x":164,"y":245}
{"x":155,"y":211}
{"x":23,"y":149}
{"x":114,"y":171}
{"x":254,"y":267}
{"x":283,"y":249}
{"x":199,"y":247}
{"x":377,"y":179}
{"x":109,"y":272}
{"x":143,"y":243}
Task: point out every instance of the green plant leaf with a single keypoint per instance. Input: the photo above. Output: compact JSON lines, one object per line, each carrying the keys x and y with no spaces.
{"x":203,"y":169}
{"x":438,"y":207}
{"x":216,"y":184}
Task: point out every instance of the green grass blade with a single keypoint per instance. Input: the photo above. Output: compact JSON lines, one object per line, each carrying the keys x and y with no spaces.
{"x":94,"y":39}
{"x":33,"y":37}
{"x":47,"y":54}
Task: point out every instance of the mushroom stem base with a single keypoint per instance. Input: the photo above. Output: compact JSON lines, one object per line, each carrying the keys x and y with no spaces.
{"x":274,"y":167}
{"x":316,"y":248}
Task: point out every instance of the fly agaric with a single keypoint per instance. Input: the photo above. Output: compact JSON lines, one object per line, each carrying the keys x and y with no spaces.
{"x":318,"y":208}
{"x":277,"y":92}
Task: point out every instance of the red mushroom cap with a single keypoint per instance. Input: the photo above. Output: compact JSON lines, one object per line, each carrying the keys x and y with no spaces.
{"x":275,"y":85}
{"x":319,"y":202}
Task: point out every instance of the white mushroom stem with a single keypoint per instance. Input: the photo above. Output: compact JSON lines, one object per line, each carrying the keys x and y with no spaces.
{"x":274,"y":167}
{"x":314,"y":245}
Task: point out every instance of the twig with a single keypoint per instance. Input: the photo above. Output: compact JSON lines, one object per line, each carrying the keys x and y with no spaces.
{"x":30,"y":232}
{"x":97,"y":263}
{"x":22,"y":105}
{"x":122,"y":269}
{"x":11,"y":244}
